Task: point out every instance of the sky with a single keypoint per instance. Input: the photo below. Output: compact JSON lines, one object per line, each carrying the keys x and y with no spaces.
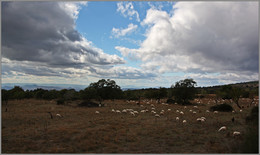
{"x":138,"y":44}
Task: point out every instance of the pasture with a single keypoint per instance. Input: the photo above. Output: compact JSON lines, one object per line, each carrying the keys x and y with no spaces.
{"x":28,"y":128}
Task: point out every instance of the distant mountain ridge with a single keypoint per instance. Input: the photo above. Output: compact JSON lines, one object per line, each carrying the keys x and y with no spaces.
{"x":32,"y":86}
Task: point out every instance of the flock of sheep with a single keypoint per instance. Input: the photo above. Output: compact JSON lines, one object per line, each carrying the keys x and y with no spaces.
{"x":149,"y":107}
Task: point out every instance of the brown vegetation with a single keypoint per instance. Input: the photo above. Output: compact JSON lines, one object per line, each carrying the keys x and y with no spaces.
{"x":28,"y":128}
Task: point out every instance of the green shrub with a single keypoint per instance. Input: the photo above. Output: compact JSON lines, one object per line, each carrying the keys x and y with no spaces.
{"x":88,"y":104}
{"x":60,"y":102}
{"x":170,"y":101}
{"x":222,"y":107}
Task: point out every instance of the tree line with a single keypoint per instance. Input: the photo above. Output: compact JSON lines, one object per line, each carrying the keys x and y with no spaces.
{"x":181,"y":92}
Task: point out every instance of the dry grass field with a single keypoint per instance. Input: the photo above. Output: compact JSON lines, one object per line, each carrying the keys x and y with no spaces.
{"x":28,"y":128}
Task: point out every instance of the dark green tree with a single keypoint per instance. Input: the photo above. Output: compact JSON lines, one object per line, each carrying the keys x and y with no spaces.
{"x":106,"y":89}
{"x":235,"y":93}
{"x":184,"y":90}
{"x":17,"y":93}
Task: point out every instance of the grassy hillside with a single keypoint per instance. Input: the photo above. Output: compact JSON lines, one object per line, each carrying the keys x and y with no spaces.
{"x":28,"y":128}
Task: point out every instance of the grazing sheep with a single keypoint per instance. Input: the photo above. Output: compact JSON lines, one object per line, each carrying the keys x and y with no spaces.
{"x":153,"y":112}
{"x":132,"y":113}
{"x":118,"y":111}
{"x":240,"y":110}
{"x":157,"y":115}
{"x":215,"y":112}
{"x":152,"y":105}
{"x":195,"y":106}
{"x":136,"y":112}
{"x":177,"y":118}
{"x":153,"y":108}
{"x":190,"y":110}
{"x":113,"y":110}
{"x":201,"y":119}
{"x":207,"y":110}
{"x":236,"y":133}
{"x":162,"y":113}
{"x":222,"y":128}
{"x":185,"y":107}
{"x":182,"y":113}
{"x":169,"y":109}
{"x":184,"y":121}
{"x":97,"y":112}
{"x":194,"y":112}
{"x":177,"y":110}
{"x":58,"y":115}
{"x":124,"y":111}
{"x":143,"y":111}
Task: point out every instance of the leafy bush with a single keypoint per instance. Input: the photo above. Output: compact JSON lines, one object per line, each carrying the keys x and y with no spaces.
{"x":88,"y":104}
{"x":222,"y":107}
{"x":60,"y":102}
{"x":170,"y":101}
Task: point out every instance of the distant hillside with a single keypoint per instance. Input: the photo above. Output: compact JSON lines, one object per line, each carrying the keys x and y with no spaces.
{"x":30,"y":86}
{"x":245,"y":85}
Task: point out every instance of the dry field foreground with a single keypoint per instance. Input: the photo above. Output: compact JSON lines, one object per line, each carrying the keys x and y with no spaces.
{"x":27,"y":128}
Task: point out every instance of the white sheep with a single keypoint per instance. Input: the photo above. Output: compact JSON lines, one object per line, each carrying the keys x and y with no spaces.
{"x":207,"y":110}
{"x":136,"y":112}
{"x":132,"y":113}
{"x":201,"y":119}
{"x":153,"y":112}
{"x":195,"y":106}
{"x":142,"y":111}
{"x":177,"y":110}
{"x":182,"y":113}
{"x":185,"y":107}
{"x":184,"y":121}
{"x":190,"y":110}
{"x":215,"y":112}
{"x":97,"y":112}
{"x":236,"y":133}
{"x":169,"y":109}
{"x":58,"y":115}
{"x":124,"y":111}
{"x":118,"y":111}
{"x":153,"y":108}
{"x":194,"y":112}
{"x":222,"y":128}
{"x":113,"y":110}
{"x":156,"y":115}
{"x":177,"y":118}
{"x":240,"y":110}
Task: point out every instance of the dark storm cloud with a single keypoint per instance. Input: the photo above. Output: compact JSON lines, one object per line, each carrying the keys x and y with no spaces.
{"x":45,"y":32}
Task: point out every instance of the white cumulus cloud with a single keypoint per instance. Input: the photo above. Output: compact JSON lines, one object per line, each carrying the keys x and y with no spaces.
{"x":119,"y":32}
{"x":201,"y":37}
{"x":127,"y":10}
